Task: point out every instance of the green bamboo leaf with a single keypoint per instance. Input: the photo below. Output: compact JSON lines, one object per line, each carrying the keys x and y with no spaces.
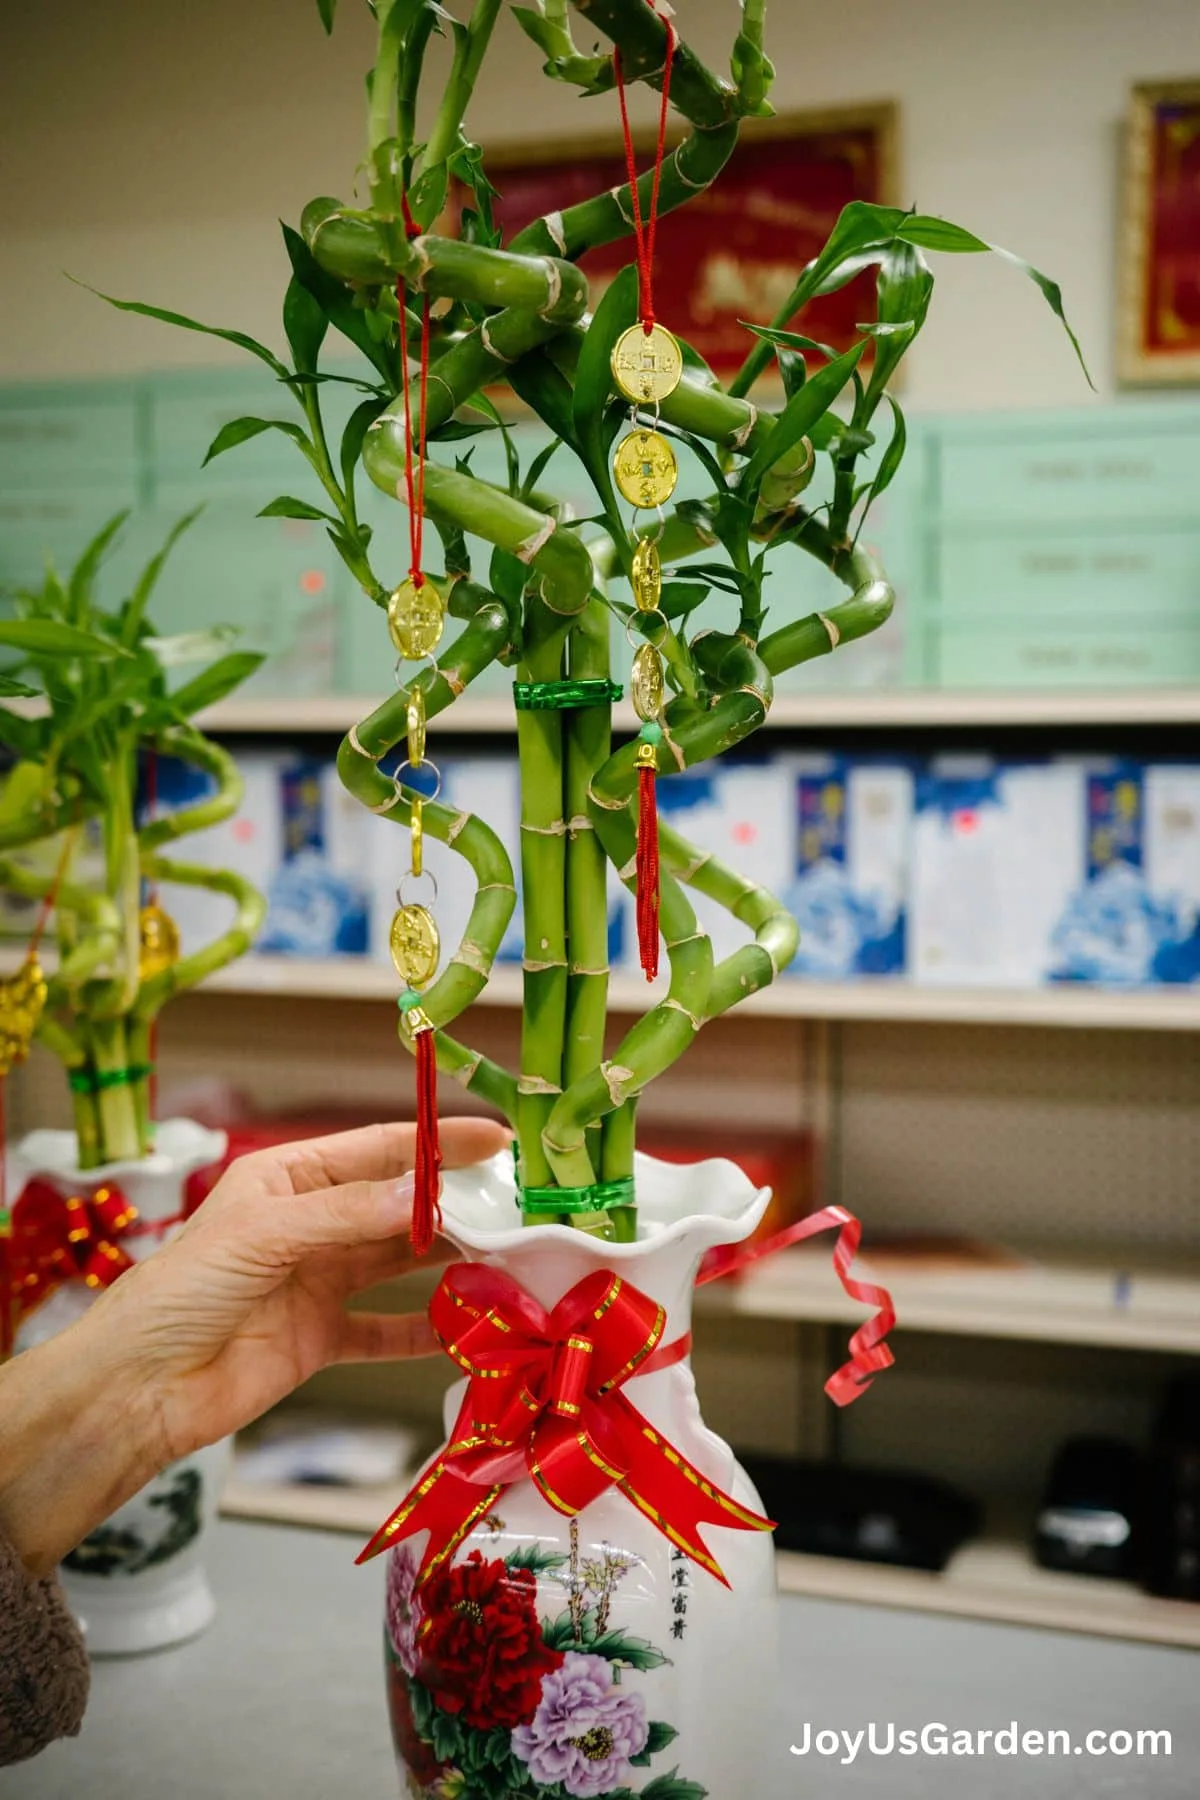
{"x":336,"y":302}
{"x":801,"y":414}
{"x":538,"y":466}
{"x":239,"y":338}
{"x":353,"y":438}
{"x":134,"y":611}
{"x":889,"y":462}
{"x":305,"y":325}
{"x":79,"y":586}
{"x":288,"y":507}
{"x":940,"y":234}
{"x":616,"y":312}
{"x":219,"y":679}
{"x":546,"y":35}
{"x":327,"y":9}
{"x":16,"y":690}
{"x":679,"y":598}
{"x":543,"y":386}
{"x":240,"y":431}
{"x":52,"y":638}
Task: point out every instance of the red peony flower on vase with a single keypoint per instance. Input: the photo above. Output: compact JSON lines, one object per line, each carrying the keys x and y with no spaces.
{"x":480,"y":1649}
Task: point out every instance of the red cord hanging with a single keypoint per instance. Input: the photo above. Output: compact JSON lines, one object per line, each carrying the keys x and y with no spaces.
{"x":414,"y":442}
{"x":647,"y":864}
{"x":427,"y":1210}
{"x":646,"y":230}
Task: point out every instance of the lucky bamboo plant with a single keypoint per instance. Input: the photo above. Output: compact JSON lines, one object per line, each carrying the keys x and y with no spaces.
{"x":72,"y":831}
{"x":514,"y":317}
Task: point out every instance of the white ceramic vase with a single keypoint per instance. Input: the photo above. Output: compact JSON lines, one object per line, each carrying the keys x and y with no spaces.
{"x":590,"y":1657}
{"x":137,"y":1582}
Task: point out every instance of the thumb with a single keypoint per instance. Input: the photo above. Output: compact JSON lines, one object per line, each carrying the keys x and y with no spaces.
{"x":358,"y":1212}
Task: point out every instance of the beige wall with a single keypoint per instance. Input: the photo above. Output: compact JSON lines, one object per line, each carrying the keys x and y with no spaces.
{"x":148,"y":145}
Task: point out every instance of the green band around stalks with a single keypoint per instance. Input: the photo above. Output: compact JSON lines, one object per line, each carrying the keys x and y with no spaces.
{"x":601,"y":1196}
{"x":564,"y":696}
{"x":84,"y":1081}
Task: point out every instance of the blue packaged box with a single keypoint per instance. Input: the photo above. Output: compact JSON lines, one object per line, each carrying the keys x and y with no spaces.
{"x":849,"y":881}
{"x":319,"y":893}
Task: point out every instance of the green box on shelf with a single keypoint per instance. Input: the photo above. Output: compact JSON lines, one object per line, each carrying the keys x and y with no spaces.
{"x":1137,"y":461}
{"x":1108,"y":572}
{"x":57,"y":436}
{"x":1051,"y":656}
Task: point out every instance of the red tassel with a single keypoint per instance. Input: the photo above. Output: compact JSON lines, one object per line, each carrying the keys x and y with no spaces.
{"x":647,"y":870}
{"x":427,"y":1209}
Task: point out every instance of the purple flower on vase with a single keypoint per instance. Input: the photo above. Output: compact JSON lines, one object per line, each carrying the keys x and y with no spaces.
{"x":584,"y":1730}
{"x":402,"y":1608}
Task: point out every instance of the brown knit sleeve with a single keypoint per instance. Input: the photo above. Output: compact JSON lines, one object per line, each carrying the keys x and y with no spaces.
{"x":43,"y":1664}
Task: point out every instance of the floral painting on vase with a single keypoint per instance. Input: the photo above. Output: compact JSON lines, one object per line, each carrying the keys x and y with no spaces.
{"x":490,"y":1701}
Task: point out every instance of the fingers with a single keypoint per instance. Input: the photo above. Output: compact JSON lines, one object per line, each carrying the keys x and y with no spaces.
{"x":372,"y":1153}
{"x":386,"y":1337}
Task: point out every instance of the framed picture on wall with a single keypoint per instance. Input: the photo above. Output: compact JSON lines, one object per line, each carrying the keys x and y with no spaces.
{"x":1158,"y":317}
{"x":735,"y":251}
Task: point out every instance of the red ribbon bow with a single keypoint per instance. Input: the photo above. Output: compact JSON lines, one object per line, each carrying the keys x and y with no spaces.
{"x":545,"y":1400}
{"x":58,"y":1238}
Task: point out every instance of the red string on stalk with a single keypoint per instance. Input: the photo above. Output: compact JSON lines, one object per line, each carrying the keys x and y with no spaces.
{"x":414,"y":442}
{"x":647,"y":867}
{"x":427,"y":1175}
{"x":427,"y":1211}
{"x":645,"y":231}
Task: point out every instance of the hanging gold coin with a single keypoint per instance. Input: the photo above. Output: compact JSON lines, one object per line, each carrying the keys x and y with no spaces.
{"x":647,"y":576}
{"x":158,"y":942}
{"x":416,"y":618}
{"x":22,"y":998}
{"x":646,"y":688}
{"x":415,"y":944}
{"x":416,"y":826}
{"x":645,"y":468}
{"x":647,"y":365}
{"x":415,"y":727}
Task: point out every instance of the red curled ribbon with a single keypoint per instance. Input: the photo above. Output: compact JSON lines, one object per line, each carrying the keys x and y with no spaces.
{"x":58,"y":1238}
{"x":868,"y":1352}
{"x":545,"y":1400}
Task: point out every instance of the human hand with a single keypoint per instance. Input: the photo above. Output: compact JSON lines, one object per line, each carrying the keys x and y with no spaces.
{"x":247,"y":1302}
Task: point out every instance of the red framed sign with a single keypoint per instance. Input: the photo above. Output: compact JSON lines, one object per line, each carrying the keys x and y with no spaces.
{"x":1159,"y":312}
{"x":733,"y":252}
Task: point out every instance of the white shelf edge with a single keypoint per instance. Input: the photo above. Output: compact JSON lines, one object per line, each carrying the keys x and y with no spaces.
{"x":992,"y":1578}
{"x":1144,"y":1009}
{"x":1034,"y":1304}
{"x":997,"y":1579}
{"x":870,"y":707}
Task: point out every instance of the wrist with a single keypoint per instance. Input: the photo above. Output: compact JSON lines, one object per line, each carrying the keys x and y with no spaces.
{"x":81,"y":1436}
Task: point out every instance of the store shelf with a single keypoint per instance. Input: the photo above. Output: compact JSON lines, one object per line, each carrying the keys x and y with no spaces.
{"x":1144,"y":1009}
{"x":997,"y":1578}
{"x":869,"y":708}
{"x":994,"y":1578}
{"x":1091,"y":1301}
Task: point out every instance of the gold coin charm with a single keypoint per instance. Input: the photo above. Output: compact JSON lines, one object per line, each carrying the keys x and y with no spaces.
{"x":415,"y":944}
{"x":646,"y":688}
{"x":415,"y":727}
{"x":416,"y":618}
{"x":416,"y":826}
{"x":647,"y":365}
{"x":158,"y":942}
{"x":22,"y":998}
{"x":647,"y":576}
{"x":645,"y":468}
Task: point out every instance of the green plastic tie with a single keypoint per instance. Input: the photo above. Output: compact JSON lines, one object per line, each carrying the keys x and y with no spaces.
{"x":601,"y":1196}
{"x":562,"y":696}
{"x":86,"y":1081}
